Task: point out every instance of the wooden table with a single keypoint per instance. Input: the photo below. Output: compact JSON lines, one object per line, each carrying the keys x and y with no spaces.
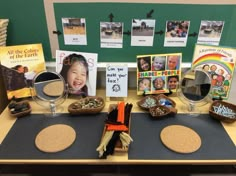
{"x":119,"y":162}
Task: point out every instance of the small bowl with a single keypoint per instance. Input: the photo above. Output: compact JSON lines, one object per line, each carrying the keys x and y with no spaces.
{"x":228,"y":110}
{"x":19,"y":109}
{"x":147,"y":102}
{"x":88,"y":105}
{"x":162,"y":111}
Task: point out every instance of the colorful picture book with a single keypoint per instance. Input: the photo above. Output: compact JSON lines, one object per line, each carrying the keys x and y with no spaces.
{"x":19,"y":65}
{"x":158,"y":73}
{"x":219,"y":62}
{"x":79,"y":70}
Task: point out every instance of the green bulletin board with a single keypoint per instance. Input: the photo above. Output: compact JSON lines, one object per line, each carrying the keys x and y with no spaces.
{"x":94,"y":13}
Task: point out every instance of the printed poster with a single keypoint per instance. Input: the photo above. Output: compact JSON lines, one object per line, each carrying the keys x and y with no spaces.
{"x":111,"y":34}
{"x":74,"y":30}
{"x":158,"y":73}
{"x":143,"y":31}
{"x":210,"y":32}
{"x":79,"y":70}
{"x":176,"y":34}
{"x":116,"y":80}
{"x":219,"y":63}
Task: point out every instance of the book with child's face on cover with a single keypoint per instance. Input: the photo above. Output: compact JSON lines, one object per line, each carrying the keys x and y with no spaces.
{"x":158,"y":73}
{"x":19,"y":65}
{"x":79,"y":70}
{"x":219,"y":63}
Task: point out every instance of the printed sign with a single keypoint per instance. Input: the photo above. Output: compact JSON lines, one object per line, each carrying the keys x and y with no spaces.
{"x":116,"y":81}
{"x":111,"y":34}
{"x":176,"y":33}
{"x":142,"y":32}
{"x":74,"y":30}
{"x":210,"y":32}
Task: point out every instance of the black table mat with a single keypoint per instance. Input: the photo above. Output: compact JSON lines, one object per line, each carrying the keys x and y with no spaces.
{"x":216,"y":144}
{"x":19,"y":143}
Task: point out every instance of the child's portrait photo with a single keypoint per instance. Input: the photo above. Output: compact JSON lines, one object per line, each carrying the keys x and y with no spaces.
{"x":144,"y":63}
{"x":75,"y":73}
{"x":172,"y":82}
{"x":158,"y":83}
{"x":158,"y":63}
{"x":144,"y":84}
{"x":173,"y":62}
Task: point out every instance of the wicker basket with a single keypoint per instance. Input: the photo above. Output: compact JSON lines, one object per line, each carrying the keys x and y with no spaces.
{"x":215,"y":115}
{"x":162,"y":111}
{"x":16,"y":110}
{"x":88,"y":105}
{"x":148,"y":102}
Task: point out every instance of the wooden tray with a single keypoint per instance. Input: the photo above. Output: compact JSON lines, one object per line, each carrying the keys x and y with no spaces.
{"x":118,"y":146}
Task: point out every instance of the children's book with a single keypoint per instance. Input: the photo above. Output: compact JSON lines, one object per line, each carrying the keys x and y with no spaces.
{"x":159,"y":73}
{"x":79,"y":70}
{"x":219,"y":62}
{"x":19,"y":65}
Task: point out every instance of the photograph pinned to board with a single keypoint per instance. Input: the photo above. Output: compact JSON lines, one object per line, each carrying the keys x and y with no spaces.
{"x":142,"y":33}
{"x":19,"y":65}
{"x":210,"y":32}
{"x":74,"y":31}
{"x":159,"y":73}
{"x":116,"y":80}
{"x":79,"y":70}
{"x":176,"y":34}
{"x":111,"y":34}
{"x":219,"y":63}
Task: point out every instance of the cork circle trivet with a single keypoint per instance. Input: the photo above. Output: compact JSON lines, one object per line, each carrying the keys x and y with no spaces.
{"x":54,"y":88}
{"x":180,"y":139}
{"x":55,"y":138}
